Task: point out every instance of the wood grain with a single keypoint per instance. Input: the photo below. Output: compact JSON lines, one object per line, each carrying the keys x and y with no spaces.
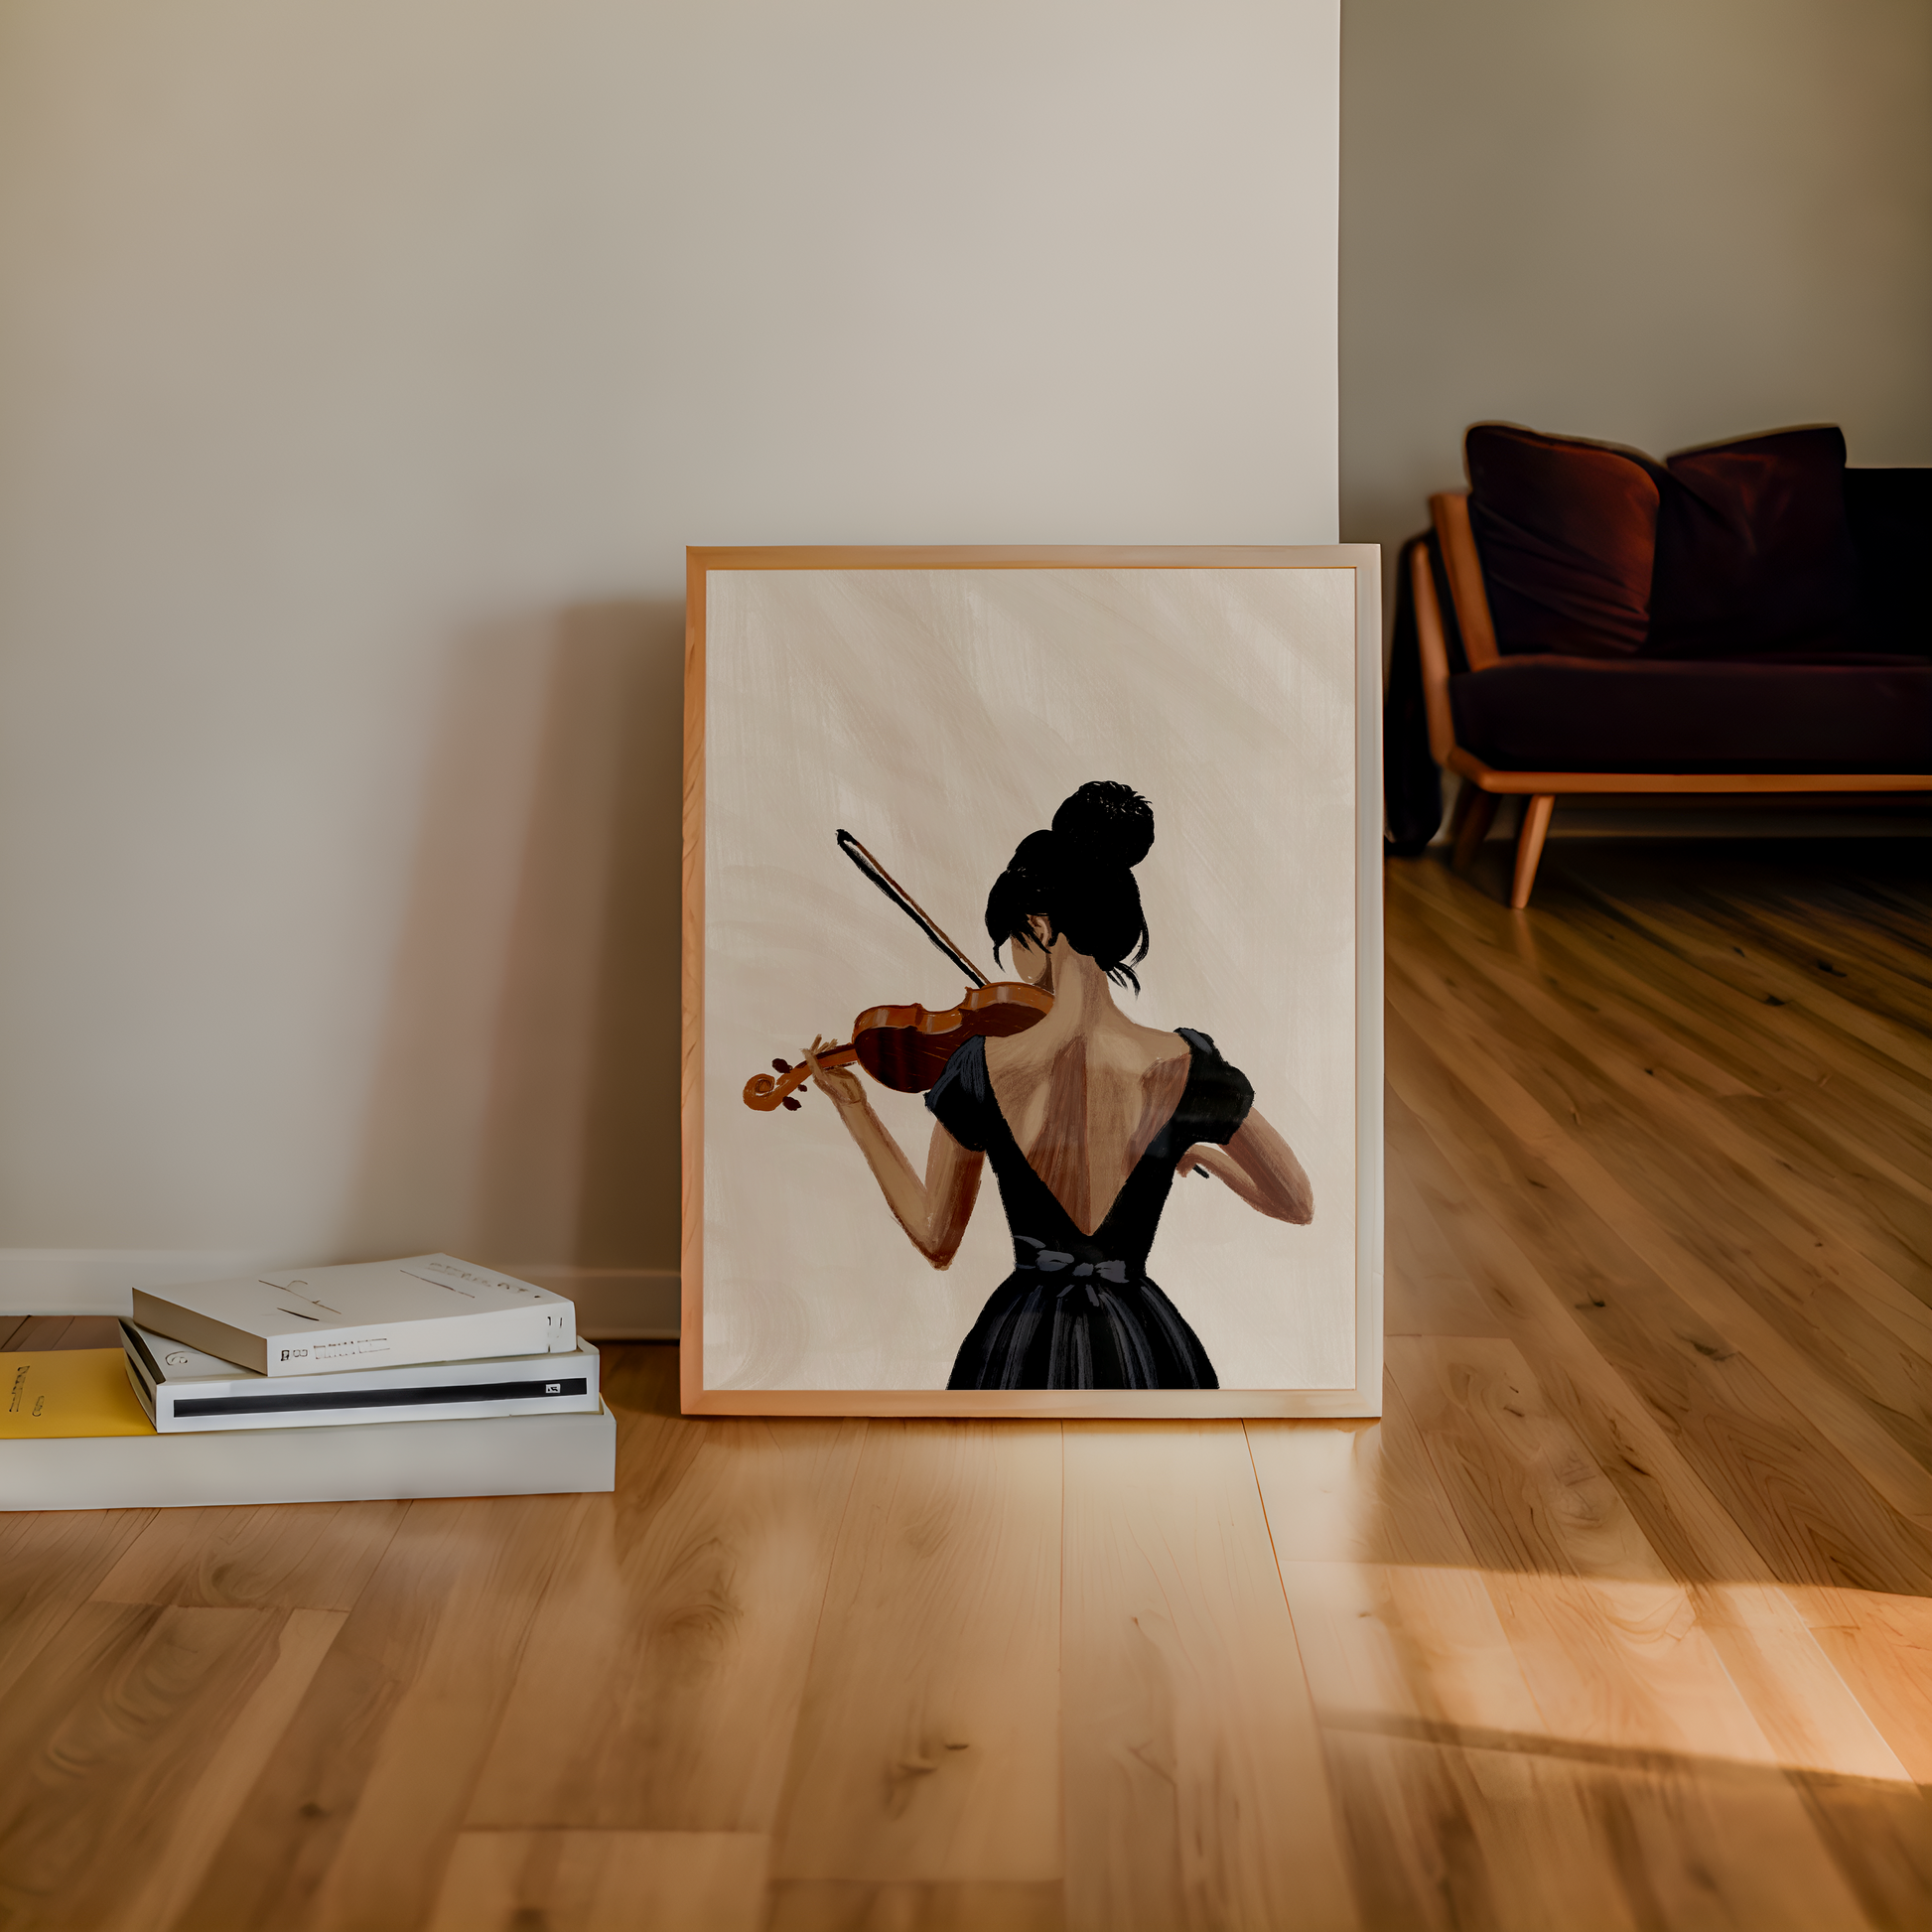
{"x":964,"y":1907}
{"x":20,"y":1333}
{"x":298,"y":1556}
{"x":665,"y":1665}
{"x":356,"y":1815}
{"x":124,"y":1709}
{"x":204,"y":1812}
{"x":50,"y":1563}
{"x":1197,"y":1795}
{"x":602,"y":1881}
{"x":1355,"y":1493}
{"x":929,"y":1743}
{"x":1620,"y":1616}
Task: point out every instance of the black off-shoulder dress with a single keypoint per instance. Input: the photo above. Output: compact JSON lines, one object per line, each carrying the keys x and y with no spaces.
{"x":1078,"y":1311}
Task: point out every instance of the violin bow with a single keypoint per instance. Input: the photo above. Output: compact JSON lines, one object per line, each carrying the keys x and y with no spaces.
{"x":904,"y":899}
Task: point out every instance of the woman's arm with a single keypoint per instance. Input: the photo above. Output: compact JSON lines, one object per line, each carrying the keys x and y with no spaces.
{"x":1261,"y":1168}
{"x":933,"y":1212}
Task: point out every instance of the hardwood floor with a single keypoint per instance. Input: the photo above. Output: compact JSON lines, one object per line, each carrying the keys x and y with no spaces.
{"x":1620,"y":1618}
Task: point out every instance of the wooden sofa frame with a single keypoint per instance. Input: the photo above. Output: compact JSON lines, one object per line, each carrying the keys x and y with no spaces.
{"x":1482,"y":785}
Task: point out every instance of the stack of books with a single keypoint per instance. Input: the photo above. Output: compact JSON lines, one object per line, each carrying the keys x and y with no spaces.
{"x":422,"y":1377}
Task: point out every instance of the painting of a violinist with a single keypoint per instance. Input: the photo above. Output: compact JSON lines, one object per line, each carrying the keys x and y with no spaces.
{"x":1155,"y":1048}
{"x":1086,"y":1116}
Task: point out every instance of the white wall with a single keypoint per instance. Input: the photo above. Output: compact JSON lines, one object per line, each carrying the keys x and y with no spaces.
{"x":365,"y":369}
{"x":1660,"y":222}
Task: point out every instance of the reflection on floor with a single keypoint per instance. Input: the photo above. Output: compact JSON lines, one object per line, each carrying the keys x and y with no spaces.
{"x":1622,"y":1617}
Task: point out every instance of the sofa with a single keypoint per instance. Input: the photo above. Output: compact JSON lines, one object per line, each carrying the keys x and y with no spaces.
{"x":1750,"y":616}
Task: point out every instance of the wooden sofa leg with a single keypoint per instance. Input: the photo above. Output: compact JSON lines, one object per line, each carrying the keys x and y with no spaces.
{"x":1529,"y":846}
{"x":1475,"y":809}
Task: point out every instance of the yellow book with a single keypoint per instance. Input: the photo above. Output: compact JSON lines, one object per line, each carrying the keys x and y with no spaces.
{"x":69,"y":1392}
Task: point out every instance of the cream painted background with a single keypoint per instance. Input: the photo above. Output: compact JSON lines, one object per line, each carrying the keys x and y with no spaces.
{"x":941,"y":717}
{"x":365,"y":367}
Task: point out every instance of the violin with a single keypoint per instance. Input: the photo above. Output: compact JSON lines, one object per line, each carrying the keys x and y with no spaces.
{"x":906,"y":1048}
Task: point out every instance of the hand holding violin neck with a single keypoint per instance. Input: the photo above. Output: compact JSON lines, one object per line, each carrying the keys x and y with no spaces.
{"x":768,"y":1092}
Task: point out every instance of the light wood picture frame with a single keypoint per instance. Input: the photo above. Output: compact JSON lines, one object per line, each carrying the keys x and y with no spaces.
{"x":936,"y":706}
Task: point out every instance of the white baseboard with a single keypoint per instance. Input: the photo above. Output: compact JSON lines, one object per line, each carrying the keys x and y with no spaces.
{"x":612,"y":1303}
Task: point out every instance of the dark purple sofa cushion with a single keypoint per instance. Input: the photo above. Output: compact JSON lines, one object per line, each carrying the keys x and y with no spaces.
{"x":1889,"y":512}
{"x":1753,"y":551}
{"x":1566,"y":530}
{"x":1571,"y":713}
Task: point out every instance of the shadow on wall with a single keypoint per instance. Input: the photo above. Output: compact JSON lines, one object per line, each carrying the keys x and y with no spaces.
{"x":524,"y":1110}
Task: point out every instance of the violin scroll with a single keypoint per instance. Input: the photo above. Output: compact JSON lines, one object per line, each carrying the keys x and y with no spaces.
{"x":768,"y":1094}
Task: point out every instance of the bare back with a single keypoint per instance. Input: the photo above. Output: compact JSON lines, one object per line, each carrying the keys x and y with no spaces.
{"x":1084,"y":1106}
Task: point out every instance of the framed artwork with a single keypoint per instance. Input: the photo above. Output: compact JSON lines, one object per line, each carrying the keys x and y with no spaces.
{"x":1032,"y":982}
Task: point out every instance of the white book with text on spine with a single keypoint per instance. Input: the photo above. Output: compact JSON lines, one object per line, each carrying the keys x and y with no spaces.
{"x":182,"y":1389}
{"x":317,"y":1320}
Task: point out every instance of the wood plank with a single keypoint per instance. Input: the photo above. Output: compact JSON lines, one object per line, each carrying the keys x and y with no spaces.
{"x":1459,"y":1811}
{"x":1526,"y":1490}
{"x":1706,"y":909}
{"x":1616,"y":1653}
{"x":119,"y":1718}
{"x":1589,"y":1019}
{"x":1591,"y":945}
{"x":1788,"y":1236}
{"x":602,"y":1881}
{"x":1355,"y":1492}
{"x":836,"y":1907}
{"x":26,"y":1333}
{"x":50,"y":1563}
{"x":1787,"y":1005}
{"x":1868,"y":964}
{"x":1882,"y":1646}
{"x":1685,"y":1523}
{"x":1810,"y":1511}
{"x":1429,"y":1292}
{"x":927,"y":1745}
{"x":1196,"y":1794}
{"x":661,"y":1681}
{"x":202,"y":1814}
{"x":1803,"y":1187}
{"x":357,"y":1813}
{"x":1465,"y":1808}
{"x":1520,"y":1091}
{"x":37,"y":1331}
{"x":1860,"y":1799}
{"x":308,"y":1556}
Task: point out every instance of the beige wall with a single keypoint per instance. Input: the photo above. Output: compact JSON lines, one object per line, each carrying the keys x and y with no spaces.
{"x":364,"y":366}
{"x":1655,"y":222}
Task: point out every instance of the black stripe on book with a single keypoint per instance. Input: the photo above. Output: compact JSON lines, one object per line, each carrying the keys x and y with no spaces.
{"x":308,"y":1402}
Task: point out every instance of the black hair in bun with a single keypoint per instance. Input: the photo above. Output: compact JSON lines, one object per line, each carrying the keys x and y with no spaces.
{"x":1079,"y":878}
{"x":1106,"y":822}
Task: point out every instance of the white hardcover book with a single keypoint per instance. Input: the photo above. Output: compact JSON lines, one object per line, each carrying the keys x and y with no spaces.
{"x":182,"y":1389}
{"x":477,"y":1455}
{"x":321,"y":1321}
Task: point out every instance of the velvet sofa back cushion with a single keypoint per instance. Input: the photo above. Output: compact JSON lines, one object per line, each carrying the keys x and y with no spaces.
{"x":1566,"y":530}
{"x":1753,"y":550}
{"x":1890,"y":515}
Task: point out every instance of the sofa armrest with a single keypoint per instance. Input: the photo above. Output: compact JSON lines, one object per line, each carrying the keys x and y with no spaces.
{"x":1449,"y":512}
